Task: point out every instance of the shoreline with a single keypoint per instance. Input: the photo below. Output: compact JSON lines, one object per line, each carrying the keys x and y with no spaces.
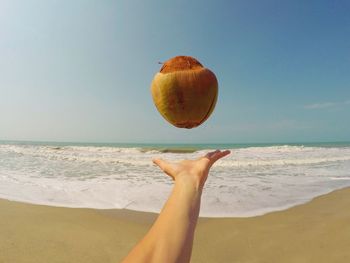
{"x":122,"y":212}
{"x":317,"y":231}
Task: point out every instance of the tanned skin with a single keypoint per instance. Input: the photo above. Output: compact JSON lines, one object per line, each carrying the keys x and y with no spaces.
{"x":170,"y":239}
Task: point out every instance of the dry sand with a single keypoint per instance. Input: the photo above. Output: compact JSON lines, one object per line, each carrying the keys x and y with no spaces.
{"x":318,"y":231}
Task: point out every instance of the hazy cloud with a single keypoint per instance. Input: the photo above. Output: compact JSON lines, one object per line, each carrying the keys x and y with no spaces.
{"x":325,"y":105}
{"x":322,"y":105}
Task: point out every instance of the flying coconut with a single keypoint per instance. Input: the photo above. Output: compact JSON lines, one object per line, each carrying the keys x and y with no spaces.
{"x":184,"y":92}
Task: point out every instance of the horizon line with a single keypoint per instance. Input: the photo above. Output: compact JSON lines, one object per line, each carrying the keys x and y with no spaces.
{"x":174,"y":143}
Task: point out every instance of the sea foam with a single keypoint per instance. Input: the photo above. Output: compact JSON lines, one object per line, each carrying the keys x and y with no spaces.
{"x":251,"y":181}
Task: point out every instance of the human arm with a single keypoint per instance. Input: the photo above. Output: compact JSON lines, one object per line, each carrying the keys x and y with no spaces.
{"x":170,"y":238}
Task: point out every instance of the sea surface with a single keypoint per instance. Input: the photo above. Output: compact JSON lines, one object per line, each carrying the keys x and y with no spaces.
{"x":253,"y":180}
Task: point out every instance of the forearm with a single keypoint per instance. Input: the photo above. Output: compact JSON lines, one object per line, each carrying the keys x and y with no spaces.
{"x":177,"y":221}
{"x":171,"y":237}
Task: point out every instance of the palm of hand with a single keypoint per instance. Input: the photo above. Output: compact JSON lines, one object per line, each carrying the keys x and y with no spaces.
{"x":191,"y":169}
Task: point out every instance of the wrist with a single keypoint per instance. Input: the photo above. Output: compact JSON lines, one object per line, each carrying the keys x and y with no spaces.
{"x":189,"y":182}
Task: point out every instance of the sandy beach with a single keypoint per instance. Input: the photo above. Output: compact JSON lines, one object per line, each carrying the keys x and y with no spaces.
{"x":318,"y":231}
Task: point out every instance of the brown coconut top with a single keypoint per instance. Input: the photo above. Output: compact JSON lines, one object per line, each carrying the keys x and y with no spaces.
{"x":180,"y":63}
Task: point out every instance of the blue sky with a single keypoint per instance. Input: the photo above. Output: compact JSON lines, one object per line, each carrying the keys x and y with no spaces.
{"x":81,"y":70}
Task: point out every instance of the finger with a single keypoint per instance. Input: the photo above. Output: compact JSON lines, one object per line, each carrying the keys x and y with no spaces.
{"x":219,"y":155}
{"x":161,"y":163}
{"x":164,"y":165}
{"x":210,"y":154}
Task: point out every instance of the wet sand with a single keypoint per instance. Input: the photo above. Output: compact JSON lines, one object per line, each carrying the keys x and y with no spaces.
{"x":318,"y":231}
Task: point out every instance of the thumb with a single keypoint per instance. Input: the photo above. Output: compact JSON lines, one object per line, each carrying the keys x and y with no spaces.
{"x":165,"y":166}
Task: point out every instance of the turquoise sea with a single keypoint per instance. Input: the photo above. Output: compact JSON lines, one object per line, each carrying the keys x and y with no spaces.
{"x":178,"y":146}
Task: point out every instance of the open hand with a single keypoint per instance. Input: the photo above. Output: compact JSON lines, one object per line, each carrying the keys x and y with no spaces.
{"x":195,"y":171}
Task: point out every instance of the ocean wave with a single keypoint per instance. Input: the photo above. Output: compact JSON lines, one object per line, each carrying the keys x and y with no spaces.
{"x":282,"y":162}
{"x":169,"y":150}
{"x":32,"y":149}
{"x":247,"y":182}
{"x":242,"y":157}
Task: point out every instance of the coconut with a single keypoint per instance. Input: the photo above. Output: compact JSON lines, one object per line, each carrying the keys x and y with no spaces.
{"x":184,"y":92}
